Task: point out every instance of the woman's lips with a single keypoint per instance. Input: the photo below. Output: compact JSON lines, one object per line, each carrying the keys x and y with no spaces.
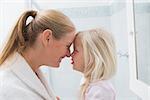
{"x":61,"y":58}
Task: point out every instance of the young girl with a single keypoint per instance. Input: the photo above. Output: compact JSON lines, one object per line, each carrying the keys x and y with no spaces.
{"x":95,"y":56}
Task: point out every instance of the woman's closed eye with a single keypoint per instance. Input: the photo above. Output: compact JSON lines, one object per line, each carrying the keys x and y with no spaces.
{"x":68,"y":46}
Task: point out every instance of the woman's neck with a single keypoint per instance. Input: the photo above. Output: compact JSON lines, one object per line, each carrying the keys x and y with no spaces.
{"x":31,"y":56}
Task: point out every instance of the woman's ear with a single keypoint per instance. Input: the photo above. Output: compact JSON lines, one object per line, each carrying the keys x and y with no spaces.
{"x":46,"y":37}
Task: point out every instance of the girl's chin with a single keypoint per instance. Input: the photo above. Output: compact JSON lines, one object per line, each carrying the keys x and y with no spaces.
{"x":76,"y":69}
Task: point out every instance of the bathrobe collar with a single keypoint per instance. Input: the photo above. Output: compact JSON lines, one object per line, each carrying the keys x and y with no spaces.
{"x":24,"y":72}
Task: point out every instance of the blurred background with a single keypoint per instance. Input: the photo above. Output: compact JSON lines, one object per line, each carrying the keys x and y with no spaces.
{"x":111,"y":15}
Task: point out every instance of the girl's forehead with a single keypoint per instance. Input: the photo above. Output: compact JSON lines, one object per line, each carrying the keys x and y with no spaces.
{"x":78,"y":42}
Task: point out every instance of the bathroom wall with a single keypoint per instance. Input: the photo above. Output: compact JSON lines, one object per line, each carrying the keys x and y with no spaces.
{"x":9,"y":13}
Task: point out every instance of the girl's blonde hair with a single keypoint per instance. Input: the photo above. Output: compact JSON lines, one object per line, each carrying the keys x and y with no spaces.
{"x":99,"y":56}
{"x":24,"y":35}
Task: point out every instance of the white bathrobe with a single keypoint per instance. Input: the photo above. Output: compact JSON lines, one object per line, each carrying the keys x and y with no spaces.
{"x":19,"y":82}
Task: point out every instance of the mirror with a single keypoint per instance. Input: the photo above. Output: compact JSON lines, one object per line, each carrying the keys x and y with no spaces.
{"x":142,"y":35}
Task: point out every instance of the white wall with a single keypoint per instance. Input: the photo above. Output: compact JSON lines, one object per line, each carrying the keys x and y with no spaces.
{"x":10,"y":11}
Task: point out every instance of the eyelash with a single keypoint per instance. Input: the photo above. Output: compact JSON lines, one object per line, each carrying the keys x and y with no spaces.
{"x":67,"y":46}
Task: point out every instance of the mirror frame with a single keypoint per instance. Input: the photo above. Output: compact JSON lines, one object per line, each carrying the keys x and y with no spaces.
{"x":140,"y":88}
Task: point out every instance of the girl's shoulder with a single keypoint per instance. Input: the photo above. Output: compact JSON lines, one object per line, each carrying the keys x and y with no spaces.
{"x":101,"y":83}
{"x":101,"y":88}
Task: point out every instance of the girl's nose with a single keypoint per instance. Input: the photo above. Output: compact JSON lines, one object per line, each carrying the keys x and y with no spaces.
{"x":68,"y":53}
{"x":72,"y":54}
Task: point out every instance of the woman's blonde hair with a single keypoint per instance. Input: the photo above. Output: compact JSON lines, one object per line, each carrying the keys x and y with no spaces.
{"x":99,"y":56}
{"x":24,"y":35}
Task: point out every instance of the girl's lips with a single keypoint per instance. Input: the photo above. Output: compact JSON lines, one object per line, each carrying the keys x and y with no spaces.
{"x":72,"y":61}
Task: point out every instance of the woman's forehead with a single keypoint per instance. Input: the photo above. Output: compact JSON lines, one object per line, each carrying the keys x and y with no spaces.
{"x":70,"y":37}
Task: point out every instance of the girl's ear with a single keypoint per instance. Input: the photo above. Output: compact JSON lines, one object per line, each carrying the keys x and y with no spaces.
{"x":47,"y":37}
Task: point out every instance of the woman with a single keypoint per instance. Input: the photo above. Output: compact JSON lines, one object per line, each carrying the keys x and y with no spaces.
{"x":95,"y":56}
{"x":43,"y":41}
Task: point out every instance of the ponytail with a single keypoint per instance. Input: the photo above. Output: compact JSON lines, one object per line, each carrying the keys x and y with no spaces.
{"x":17,"y":42}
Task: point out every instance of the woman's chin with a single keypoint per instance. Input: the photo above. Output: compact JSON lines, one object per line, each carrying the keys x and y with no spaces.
{"x":54,"y":65}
